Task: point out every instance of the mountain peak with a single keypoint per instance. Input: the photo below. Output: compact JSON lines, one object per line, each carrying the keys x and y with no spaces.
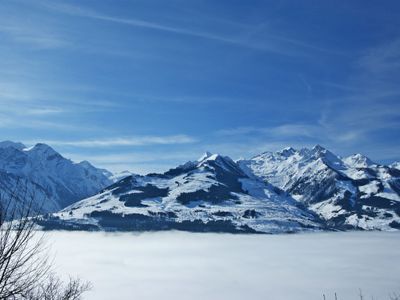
{"x":320,"y":151}
{"x":86,"y":164}
{"x":15,"y":145}
{"x":328,"y":158}
{"x":43,"y":148}
{"x":214,"y":157}
{"x":224,"y":162}
{"x":205,"y":156}
{"x":358,"y":161}
{"x":288,"y":151}
{"x":318,"y":148}
{"x":41,"y":151}
{"x":55,"y":180}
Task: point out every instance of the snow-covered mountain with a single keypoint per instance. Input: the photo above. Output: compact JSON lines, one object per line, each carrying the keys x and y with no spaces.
{"x":41,"y":173}
{"x":285,"y":191}
{"x":211,"y":194}
{"x":351,"y":192}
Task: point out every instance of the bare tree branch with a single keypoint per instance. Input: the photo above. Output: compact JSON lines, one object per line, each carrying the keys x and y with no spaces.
{"x":25,"y":270}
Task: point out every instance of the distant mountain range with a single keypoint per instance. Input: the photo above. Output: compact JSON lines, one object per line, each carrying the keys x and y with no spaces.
{"x":346,"y":193}
{"x":285,"y":191}
{"x":41,"y":174}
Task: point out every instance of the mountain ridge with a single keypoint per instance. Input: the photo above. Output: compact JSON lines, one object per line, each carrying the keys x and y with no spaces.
{"x":352,"y":192}
{"x":42,"y":170}
{"x":210,"y":194}
{"x":289,"y":190}
{"x":285,"y":191}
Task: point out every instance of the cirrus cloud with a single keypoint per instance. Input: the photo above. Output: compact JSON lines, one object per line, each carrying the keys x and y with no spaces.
{"x":125,"y":141}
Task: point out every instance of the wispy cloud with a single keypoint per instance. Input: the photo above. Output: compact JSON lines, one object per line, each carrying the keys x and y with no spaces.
{"x":290,"y":130}
{"x":20,"y":96}
{"x":240,"y":131}
{"x":270,"y":42}
{"x":13,"y":122}
{"x":39,"y":38}
{"x":366,"y":111}
{"x":138,"y":162}
{"x":88,"y":13}
{"x":283,"y":130}
{"x":124,"y":141}
{"x":382,"y":59}
{"x":32,"y":109}
{"x":136,"y":157}
{"x":39,"y":111}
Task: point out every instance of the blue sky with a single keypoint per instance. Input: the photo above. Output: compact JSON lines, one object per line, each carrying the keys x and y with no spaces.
{"x":145,"y":85}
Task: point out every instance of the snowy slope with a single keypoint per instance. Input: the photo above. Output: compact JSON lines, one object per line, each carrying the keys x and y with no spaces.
{"x":55,"y":181}
{"x":211,"y":194}
{"x":353,"y":192}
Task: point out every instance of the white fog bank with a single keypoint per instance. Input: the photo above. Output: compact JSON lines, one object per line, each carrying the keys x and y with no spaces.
{"x":187,"y":266}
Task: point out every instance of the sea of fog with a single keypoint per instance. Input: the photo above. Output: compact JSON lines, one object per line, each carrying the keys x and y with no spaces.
{"x":188,"y":266}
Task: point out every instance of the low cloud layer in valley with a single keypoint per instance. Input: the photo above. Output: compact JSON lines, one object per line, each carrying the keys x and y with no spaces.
{"x":176,"y":265}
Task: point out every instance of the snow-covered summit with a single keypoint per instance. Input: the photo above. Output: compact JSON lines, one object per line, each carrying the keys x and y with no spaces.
{"x":358,"y":161}
{"x":206,"y":155}
{"x":217,"y":159}
{"x":47,"y":173}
